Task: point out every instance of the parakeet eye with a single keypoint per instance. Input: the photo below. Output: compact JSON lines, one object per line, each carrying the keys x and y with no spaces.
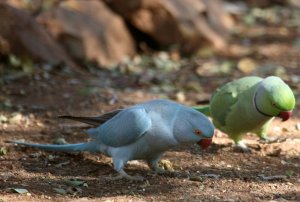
{"x":198,"y":132}
{"x":273,"y":104}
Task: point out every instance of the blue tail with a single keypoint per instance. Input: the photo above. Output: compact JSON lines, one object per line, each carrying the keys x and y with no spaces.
{"x":85,"y":146}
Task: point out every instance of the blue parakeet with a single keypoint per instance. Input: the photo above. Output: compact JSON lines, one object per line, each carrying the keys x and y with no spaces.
{"x":141,"y":132}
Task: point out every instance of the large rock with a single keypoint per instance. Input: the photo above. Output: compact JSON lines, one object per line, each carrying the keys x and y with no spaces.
{"x":20,"y":34}
{"x":187,"y":23}
{"x":89,"y":30}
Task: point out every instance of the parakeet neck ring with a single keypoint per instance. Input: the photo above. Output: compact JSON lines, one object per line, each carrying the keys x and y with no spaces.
{"x":255,"y":104}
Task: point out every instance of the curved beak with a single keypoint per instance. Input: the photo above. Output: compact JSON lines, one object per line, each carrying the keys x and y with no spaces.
{"x":204,"y":143}
{"x":285,"y":115}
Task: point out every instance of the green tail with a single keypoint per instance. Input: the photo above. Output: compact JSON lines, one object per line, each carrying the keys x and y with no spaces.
{"x":203,"y":109}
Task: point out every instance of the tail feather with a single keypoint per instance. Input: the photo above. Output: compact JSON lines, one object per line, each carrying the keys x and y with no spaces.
{"x":85,"y":146}
{"x":94,"y":121}
{"x":203,"y":109}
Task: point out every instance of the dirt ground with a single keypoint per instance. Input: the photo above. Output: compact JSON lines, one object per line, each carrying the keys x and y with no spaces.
{"x":271,"y":172}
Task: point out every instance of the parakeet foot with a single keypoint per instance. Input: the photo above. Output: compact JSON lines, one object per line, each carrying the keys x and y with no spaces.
{"x":122,"y":174}
{"x":241,"y":146}
{"x":153,"y":165}
{"x":270,"y":140}
{"x":157,"y":170}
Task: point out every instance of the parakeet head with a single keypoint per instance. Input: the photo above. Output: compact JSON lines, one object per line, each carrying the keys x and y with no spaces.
{"x":273,"y":97}
{"x":193,"y":126}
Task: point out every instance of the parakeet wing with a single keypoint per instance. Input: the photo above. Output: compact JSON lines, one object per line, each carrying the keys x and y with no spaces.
{"x":124,"y":128}
{"x":225,"y":98}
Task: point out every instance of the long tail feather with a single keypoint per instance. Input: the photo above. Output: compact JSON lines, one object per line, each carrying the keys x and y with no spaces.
{"x":86,"y":146}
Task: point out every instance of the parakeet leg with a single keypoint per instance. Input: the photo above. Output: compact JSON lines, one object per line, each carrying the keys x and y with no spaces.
{"x":118,"y":166}
{"x":262,"y":132}
{"x":240,"y":145}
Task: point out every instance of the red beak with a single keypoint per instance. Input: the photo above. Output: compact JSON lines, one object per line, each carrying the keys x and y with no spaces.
{"x":285,"y":115}
{"x":204,"y":143}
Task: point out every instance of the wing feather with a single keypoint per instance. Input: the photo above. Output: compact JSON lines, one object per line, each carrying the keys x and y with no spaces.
{"x":124,"y":128}
{"x":226,"y":97}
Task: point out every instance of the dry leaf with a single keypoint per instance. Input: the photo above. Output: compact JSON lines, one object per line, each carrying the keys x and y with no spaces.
{"x":19,"y":190}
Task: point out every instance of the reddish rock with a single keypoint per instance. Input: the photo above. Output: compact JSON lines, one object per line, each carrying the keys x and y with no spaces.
{"x":20,"y":34}
{"x":180,"y":22}
{"x":89,"y":30}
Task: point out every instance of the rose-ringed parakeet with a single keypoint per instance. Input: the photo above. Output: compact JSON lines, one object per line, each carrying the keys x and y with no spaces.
{"x":144,"y":131}
{"x":248,"y":105}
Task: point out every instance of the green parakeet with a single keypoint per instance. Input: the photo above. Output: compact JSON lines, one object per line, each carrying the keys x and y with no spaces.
{"x":248,"y":105}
